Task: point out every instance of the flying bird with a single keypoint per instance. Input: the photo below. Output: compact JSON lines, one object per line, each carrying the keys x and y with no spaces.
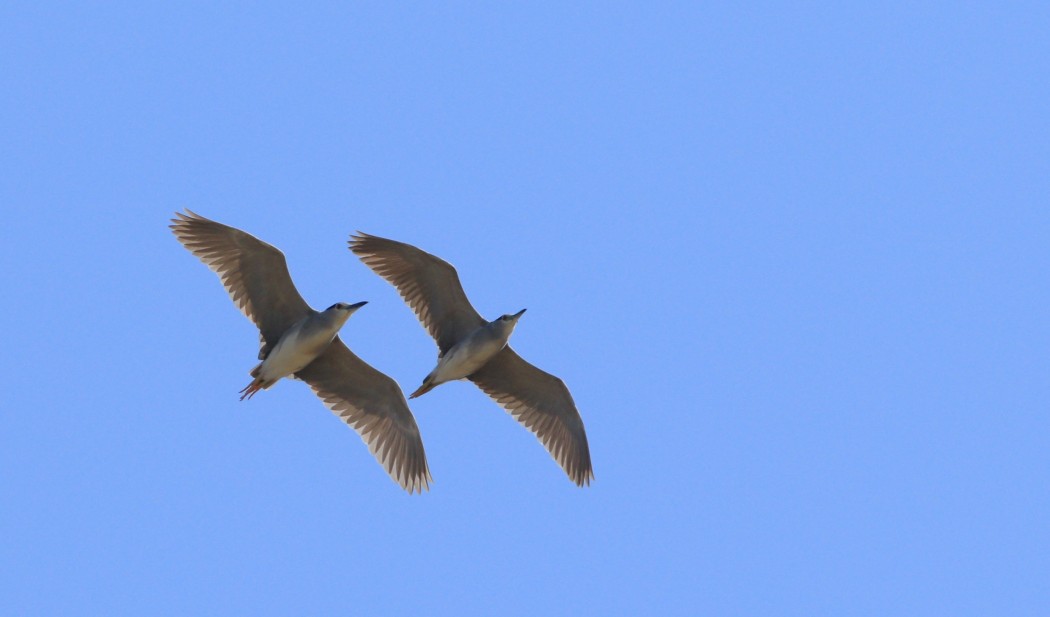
{"x":297,"y":341}
{"x":470,"y":347}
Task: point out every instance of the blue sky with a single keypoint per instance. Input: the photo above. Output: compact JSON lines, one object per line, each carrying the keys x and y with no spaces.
{"x":791,"y":259}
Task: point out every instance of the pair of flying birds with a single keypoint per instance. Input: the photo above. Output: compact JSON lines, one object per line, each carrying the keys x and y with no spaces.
{"x":297,"y":341}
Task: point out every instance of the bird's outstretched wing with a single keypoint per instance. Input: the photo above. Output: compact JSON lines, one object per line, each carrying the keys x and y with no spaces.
{"x":374,"y":406}
{"x":542,"y":403}
{"x":427,"y":283}
{"x":254,"y":273}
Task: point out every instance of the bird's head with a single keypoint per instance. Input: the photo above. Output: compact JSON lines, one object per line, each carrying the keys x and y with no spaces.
{"x":344,"y":310}
{"x":507,"y":322}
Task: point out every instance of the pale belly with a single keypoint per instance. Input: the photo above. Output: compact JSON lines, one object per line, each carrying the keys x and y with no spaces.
{"x":464,"y":360}
{"x":293,"y":353}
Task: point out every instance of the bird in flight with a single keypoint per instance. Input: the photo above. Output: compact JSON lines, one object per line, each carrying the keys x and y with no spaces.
{"x":298,"y":341}
{"x":471,"y":347}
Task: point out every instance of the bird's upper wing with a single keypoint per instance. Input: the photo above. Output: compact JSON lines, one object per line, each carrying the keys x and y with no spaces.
{"x":254,"y":273}
{"x":428,"y":284}
{"x":374,"y":406}
{"x":543,"y":404}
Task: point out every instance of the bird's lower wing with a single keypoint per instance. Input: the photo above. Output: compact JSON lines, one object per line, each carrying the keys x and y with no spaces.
{"x":374,"y":406}
{"x":542,"y":403}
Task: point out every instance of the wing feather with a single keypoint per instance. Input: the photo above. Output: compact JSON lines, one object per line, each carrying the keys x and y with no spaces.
{"x":374,"y":406}
{"x":428,"y":284}
{"x":540,"y":402}
{"x":254,"y":273}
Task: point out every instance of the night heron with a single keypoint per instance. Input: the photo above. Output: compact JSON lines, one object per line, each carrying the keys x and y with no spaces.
{"x":473,"y":348}
{"x":297,"y":341}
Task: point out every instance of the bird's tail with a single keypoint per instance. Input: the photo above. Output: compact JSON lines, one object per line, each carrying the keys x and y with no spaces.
{"x":258,"y":383}
{"x":428,"y":385}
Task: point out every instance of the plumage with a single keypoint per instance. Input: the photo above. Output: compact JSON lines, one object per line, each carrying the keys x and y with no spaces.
{"x":297,"y":340}
{"x":471,"y":347}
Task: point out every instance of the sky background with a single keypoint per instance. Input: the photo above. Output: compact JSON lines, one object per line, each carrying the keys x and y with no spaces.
{"x":791,"y":260}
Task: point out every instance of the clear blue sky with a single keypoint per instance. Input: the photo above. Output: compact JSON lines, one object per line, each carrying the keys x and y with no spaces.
{"x":791,"y":259}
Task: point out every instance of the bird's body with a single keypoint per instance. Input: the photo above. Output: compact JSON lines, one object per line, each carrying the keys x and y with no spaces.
{"x":300,"y":341}
{"x":299,"y":345}
{"x":470,"y":354}
{"x":476,"y":349}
